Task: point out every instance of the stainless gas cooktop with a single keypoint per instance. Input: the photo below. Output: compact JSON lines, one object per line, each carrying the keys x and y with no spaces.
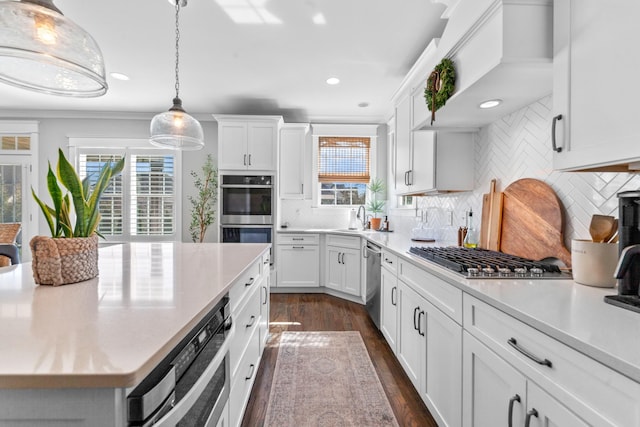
{"x":486,"y":264}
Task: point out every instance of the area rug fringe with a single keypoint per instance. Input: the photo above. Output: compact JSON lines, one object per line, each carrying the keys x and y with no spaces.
{"x":326,"y":379}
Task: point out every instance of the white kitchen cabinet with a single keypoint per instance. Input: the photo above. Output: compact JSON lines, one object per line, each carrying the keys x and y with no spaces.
{"x":247,"y":142}
{"x":389,"y":300}
{"x":430,"y":162}
{"x":298,"y":260}
{"x":596,"y":41}
{"x":343,"y":264}
{"x":569,"y":388}
{"x":294,"y":182}
{"x":411,"y":335}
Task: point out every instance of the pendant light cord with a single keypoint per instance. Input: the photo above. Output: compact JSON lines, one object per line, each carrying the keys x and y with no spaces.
{"x":177,"y":48}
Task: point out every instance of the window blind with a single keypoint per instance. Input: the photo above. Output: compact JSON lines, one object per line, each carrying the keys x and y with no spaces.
{"x":112,"y":200}
{"x":343,"y":159}
{"x":152,"y":195}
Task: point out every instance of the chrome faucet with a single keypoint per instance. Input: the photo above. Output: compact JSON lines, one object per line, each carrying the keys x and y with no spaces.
{"x":363,"y":217}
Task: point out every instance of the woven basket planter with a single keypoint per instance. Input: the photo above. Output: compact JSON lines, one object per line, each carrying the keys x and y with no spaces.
{"x":60,"y":261}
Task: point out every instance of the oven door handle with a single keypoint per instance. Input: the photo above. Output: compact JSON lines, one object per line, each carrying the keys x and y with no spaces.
{"x":245,"y":186}
{"x":189,"y":399}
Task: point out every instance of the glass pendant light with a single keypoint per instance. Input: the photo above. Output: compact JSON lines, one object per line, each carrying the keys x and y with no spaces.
{"x":43,"y":51}
{"x":175,"y":128}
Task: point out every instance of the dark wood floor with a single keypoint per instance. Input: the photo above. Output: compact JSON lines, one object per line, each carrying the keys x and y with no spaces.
{"x":319,"y":312}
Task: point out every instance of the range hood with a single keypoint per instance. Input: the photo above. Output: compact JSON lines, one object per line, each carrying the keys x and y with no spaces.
{"x":502,"y":49}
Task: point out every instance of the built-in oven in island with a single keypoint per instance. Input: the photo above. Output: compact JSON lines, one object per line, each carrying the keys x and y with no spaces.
{"x":190,"y":387}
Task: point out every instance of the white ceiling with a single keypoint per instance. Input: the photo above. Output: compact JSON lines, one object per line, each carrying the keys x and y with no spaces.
{"x":276,"y":67}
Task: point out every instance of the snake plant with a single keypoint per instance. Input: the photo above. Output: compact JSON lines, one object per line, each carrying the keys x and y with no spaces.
{"x":85,"y":198}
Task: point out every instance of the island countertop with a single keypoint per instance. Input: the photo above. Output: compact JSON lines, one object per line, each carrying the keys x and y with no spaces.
{"x":112,"y":330}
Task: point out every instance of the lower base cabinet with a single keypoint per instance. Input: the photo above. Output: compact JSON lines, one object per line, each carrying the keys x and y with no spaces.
{"x":495,"y":394}
{"x":389,"y":308}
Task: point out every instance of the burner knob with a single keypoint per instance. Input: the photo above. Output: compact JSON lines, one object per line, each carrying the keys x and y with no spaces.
{"x":537,"y":271}
{"x":504,"y":272}
{"x":520,"y":271}
{"x":473,"y":272}
{"x":488,"y":271}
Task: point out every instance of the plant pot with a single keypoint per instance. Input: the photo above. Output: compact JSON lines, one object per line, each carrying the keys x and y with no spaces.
{"x":375,"y":223}
{"x":61,"y":261}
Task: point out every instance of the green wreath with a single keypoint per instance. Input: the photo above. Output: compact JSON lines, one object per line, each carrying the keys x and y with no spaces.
{"x":440,"y":86}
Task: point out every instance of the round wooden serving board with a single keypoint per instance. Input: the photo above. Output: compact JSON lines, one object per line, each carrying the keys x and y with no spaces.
{"x":532,"y":222}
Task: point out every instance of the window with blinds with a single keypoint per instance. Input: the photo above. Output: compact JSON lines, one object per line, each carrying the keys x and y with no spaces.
{"x":140,"y":201}
{"x":343,"y":169}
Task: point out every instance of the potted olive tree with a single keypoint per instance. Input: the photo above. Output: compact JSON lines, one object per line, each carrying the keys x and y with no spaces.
{"x":375,"y":205}
{"x":70,"y":255}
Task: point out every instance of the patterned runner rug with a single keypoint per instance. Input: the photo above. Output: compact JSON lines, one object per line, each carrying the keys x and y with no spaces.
{"x":326,"y":379}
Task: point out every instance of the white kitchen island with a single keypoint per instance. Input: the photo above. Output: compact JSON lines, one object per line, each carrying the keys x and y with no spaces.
{"x":64,"y":349}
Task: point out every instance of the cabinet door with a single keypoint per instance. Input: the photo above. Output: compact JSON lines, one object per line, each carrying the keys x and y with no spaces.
{"x":298,"y":266}
{"x":403,"y":144}
{"x":490,"y":386}
{"x":423,"y":175}
{"x":261,"y":151}
{"x":334,"y":268}
{"x":596,"y":41}
{"x":232,"y":145}
{"x":443,"y":390}
{"x":351,"y":263}
{"x":389,"y":307}
{"x":411,"y":342}
{"x":292,"y":144}
{"x":545,"y":411}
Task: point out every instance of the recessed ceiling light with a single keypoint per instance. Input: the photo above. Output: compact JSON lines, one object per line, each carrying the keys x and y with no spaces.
{"x":491,"y":103}
{"x":333,"y":81}
{"x":119,"y":76}
{"x":363,"y":104}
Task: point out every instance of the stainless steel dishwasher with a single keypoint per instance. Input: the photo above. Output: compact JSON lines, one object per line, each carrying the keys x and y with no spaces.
{"x":372,"y":254}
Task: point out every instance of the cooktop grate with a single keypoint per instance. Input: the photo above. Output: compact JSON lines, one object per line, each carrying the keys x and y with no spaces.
{"x":483,"y":263}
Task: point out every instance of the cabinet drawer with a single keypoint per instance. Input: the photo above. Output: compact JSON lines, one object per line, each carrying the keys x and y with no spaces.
{"x":244,"y":284}
{"x":389,"y":261}
{"x":298,"y":239}
{"x":242,"y":381}
{"x":245,"y":321}
{"x":352,"y":242}
{"x":593,"y":391}
{"x":443,"y":295}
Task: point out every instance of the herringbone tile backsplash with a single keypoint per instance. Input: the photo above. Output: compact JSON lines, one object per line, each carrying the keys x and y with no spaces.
{"x":518,"y":146}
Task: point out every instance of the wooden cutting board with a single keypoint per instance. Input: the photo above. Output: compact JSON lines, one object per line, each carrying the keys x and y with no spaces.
{"x":491,"y":219}
{"x":533,"y":221}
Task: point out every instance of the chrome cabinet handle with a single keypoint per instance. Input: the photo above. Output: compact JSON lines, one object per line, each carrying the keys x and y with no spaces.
{"x":266,"y":295}
{"x":410,"y":177}
{"x":553,"y":133}
{"x":512,"y":401}
{"x":252,"y":321}
{"x":415,"y":322}
{"x":250,"y":282}
{"x":394,"y":301}
{"x":388,"y":261}
{"x":298,"y":238}
{"x":252,"y":368}
{"x":298,"y":247}
{"x":245,"y":160}
{"x":249,"y":159}
{"x":532,"y":413}
{"x":338,"y":257}
{"x":343,"y":258}
{"x":406,"y":178}
{"x":513,"y":343}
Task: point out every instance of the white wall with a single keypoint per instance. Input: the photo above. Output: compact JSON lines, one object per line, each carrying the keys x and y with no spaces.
{"x":518,"y":146}
{"x":54,"y":133}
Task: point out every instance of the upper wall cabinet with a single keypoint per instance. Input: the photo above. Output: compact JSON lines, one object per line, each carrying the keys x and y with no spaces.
{"x":247,"y":142}
{"x":596,"y":86}
{"x":501,"y":49}
{"x":295,"y":153}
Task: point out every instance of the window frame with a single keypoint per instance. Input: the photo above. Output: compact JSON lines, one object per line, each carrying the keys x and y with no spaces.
{"x":340,"y":130}
{"x":78,"y":146}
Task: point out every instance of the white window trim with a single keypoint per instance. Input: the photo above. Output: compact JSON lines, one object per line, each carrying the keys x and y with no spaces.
{"x":116,"y":145}
{"x":321,"y":130}
{"x":31,"y":211}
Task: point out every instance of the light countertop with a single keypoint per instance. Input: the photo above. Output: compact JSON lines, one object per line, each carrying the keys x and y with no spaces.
{"x":112,"y":330}
{"x":574,"y":314}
